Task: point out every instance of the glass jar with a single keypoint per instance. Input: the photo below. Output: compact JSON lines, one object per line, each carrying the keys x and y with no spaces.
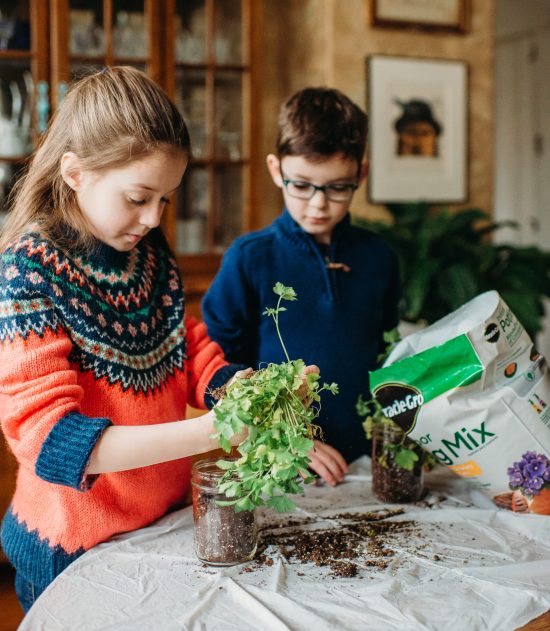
{"x":222,"y":536}
{"x":390,"y":482}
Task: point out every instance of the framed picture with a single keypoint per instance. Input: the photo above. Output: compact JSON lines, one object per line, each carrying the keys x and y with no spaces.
{"x":448,"y":15}
{"x":417,"y":129}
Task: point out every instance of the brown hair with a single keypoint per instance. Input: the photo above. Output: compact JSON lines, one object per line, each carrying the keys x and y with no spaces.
{"x":107,"y":119}
{"x":320,"y":122}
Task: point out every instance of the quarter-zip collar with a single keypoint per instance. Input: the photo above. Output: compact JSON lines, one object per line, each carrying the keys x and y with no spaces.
{"x":290,"y":230}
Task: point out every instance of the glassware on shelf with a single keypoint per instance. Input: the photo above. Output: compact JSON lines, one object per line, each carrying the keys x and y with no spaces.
{"x":130,"y":34}
{"x":228,"y":32}
{"x":6,"y":172}
{"x":228,"y":115}
{"x":86,"y":36}
{"x":197,"y":133}
{"x":15,"y":114}
{"x":190,"y":99}
{"x":229,"y":144}
{"x":191,"y":235}
{"x":190,"y":33}
{"x":7,"y":27}
{"x":228,"y":218}
{"x":192,"y":215}
{"x":42,"y":106}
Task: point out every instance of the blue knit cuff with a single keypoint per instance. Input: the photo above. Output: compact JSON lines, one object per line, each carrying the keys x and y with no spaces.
{"x":220,"y":378}
{"x":67,"y":448}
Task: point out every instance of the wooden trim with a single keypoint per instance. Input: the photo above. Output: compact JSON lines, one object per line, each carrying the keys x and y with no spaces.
{"x":460,"y":25}
{"x":59,"y":32}
{"x":210,"y":120}
{"x":254,"y":149}
{"x":17,"y":54}
{"x":168,"y":82}
{"x":108,"y":32}
{"x":39,"y":40}
{"x":167,"y":51}
{"x":154,"y":19}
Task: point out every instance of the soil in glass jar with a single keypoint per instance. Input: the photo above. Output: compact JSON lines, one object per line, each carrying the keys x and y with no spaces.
{"x":222,"y":536}
{"x":390,"y":482}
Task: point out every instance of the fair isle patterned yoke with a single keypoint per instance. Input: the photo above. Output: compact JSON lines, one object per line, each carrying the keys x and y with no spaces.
{"x":87,"y":341}
{"x":126,"y":324}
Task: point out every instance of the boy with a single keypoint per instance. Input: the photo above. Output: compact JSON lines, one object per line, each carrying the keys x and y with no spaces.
{"x":346,"y":278}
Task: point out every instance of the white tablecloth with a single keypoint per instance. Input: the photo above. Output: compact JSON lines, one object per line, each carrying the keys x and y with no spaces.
{"x":471,"y":567}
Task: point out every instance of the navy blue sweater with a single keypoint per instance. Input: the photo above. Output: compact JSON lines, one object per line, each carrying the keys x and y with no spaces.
{"x":337,"y":322}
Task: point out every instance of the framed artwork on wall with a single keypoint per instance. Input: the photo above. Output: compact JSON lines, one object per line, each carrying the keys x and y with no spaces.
{"x":447,"y":15}
{"x":418,"y":129}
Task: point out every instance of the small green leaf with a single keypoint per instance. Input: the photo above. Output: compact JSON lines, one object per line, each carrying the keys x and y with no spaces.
{"x":244,"y":504}
{"x":286,"y":293}
{"x":225,"y":465}
{"x":406,"y":458}
{"x":281,"y":504}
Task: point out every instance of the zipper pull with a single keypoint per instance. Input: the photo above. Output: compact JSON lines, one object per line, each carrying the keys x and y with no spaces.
{"x":342,"y":266}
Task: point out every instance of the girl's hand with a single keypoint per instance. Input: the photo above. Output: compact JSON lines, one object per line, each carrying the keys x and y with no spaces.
{"x":328,"y":463}
{"x":237,"y":439}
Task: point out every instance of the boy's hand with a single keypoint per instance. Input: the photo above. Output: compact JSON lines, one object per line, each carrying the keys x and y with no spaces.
{"x":328,"y":463}
{"x":302,"y":392}
{"x":241,"y":374}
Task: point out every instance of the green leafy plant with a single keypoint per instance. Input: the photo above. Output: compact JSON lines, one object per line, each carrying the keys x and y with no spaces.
{"x":278,"y":406}
{"x":447,"y":258}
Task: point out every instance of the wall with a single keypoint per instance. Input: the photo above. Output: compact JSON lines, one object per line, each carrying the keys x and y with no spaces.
{"x":326,"y":42}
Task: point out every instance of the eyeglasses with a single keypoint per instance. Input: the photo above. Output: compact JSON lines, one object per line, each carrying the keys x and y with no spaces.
{"x":306,"y":190}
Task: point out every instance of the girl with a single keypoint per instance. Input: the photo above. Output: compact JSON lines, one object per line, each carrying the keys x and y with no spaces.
{"x":97,"y":362}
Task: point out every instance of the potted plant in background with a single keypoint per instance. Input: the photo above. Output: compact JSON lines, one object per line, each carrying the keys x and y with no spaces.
{"x":447,"y":258}
{"x":398,"y":463}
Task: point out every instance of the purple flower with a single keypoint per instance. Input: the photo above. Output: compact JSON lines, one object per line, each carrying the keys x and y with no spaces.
{"x":530,"y":474}
{"x":516,"y":479}
{"x":535,"y":485}
{"x":534,"y":468}
{"x":542,"y":459}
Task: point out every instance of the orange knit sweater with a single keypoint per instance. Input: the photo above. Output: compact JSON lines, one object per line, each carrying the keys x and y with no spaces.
{"x":87,"y":341}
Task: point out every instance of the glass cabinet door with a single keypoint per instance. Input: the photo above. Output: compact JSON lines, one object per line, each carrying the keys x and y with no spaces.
{"x":23,"y":70}
{"x":91,"y":34}
{"x":207,"y":72}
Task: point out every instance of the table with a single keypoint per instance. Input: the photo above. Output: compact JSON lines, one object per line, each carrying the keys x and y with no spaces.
{"x":469,"y":566}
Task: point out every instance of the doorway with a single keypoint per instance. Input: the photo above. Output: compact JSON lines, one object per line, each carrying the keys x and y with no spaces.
{"x":522,"y":127}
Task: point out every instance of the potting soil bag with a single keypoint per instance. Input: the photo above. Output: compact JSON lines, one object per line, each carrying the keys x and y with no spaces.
{"x":472,"y":389}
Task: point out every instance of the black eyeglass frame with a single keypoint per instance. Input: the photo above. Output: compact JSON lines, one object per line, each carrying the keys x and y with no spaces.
{"x":351,"y":187}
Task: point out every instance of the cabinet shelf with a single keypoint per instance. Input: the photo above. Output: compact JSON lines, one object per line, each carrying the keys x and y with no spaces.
{"x":14,"y":159}
{"x":15,"y":54}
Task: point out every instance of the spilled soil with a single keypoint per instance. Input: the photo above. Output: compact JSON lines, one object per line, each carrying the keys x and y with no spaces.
{"x":353,"y":541}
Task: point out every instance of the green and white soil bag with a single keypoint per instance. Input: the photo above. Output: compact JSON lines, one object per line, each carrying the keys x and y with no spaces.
{"x":472,"y":389}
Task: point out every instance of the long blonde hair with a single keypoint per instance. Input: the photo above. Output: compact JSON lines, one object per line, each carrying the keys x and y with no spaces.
{"x":107,"y":119}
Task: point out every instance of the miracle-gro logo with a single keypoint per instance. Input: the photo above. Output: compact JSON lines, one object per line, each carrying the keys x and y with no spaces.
{"x":465,"y":438}
{"x":410,"y":402}
{"x":401,"y":403}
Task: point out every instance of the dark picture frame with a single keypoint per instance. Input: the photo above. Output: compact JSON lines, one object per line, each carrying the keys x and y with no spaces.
{"x":443,"y":15}
{"x":418,"y":129}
